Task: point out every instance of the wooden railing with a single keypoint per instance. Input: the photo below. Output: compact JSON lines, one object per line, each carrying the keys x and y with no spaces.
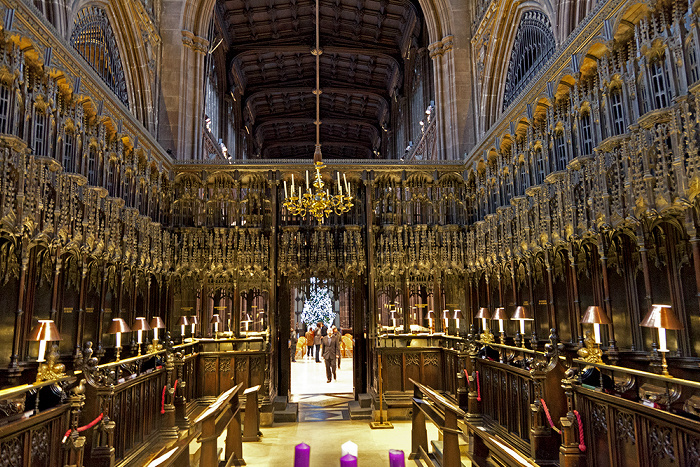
{"x":223,"y":414}
{"x":513,"y":393}
{"x":445,"y":415}
{"x":629,"y":417}
{"x":32,"y":424}
{"x":129,"y":395}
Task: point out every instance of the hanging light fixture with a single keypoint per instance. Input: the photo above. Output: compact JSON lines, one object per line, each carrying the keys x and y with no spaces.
{"x":315,"y":200}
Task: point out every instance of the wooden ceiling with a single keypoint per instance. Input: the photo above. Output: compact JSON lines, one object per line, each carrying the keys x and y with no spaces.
{"x":364,"y":43}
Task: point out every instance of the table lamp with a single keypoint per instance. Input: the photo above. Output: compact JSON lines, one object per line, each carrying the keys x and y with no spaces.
{"x":194,"y":321}
{"x":500,"y":315}
{"x":521,"y":314}
{"x":43,"y":332}
{"x":662,"y":318}
{"x":139,"y":326}
{"x":183,"y":322}
{"x":117,"y":327}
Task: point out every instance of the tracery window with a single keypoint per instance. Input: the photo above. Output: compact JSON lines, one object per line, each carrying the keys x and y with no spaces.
{"x":692,"y":63}
{"x":658,"y":83}
{"x":534,"y":44}
{"x":4,"y":107}
{"x":560,"y":150}
{"x":68,"y":152}
{"x":40,"y":133}
{"x":618,"y":116}
{"x":540,"y":169}
{"x":94,"y":40}
{"x":524,"y":179}
{"x":586,"y":135}
{"x":91,"y":163}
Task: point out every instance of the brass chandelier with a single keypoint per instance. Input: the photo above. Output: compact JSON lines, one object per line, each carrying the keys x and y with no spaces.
{"x":316,"y":201}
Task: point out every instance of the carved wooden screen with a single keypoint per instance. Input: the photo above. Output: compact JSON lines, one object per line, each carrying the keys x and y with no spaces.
{"x":94,"y":39}
{"x":534,"y":44}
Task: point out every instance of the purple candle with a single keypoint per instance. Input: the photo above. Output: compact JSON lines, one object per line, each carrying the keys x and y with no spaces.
{"x":396,"y":458}
{"x":302,"y":452}
{"x":348,"y":460}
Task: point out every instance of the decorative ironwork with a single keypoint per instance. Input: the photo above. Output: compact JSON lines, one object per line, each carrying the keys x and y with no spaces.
{"x":94,"y":39}
{"x":534,"y":44}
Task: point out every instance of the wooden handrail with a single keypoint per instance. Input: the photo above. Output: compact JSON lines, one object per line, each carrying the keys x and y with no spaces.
{"x":443,"y":414}
{"x":16,"y":390}
{"x":644,"y":374}
{"x":438,"y":398}
{"x":129,"y":360}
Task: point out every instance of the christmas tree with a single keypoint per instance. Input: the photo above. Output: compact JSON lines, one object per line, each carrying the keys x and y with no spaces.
{"x":319,"y":306}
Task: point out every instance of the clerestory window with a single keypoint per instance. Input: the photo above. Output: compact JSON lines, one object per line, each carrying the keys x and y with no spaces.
{"x":94,"y":40}
{"x":534,"y":44}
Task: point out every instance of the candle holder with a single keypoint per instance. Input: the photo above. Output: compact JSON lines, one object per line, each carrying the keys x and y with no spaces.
{"x":117,"y":327}
{"x":484,"y":314}
{"x":662,"y":318}
{"x":156,"y":324}
{"x":521,"y":314}
{"x":140,"y":325}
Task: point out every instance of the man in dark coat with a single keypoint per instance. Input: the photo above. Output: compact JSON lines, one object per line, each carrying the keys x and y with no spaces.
{"x":331,"y":352}
{"x":293,"y":345}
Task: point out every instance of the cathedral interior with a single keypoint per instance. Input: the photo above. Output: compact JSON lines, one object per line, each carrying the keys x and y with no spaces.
{"x":495,"y":202}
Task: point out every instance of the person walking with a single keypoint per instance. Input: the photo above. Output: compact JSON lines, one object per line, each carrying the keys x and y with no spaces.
{"x":317,"y":343}
{"x":293,"y":345}
{"x":331,"y":351}
{"x":310,"y":342}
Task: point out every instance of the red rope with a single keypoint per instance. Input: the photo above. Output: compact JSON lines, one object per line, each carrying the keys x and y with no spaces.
{"x":162,"y":399}
{"x":581,"y":444}
{"x":83,"y":428}
{"x":478,"y":388}
{"x":549,"y":417}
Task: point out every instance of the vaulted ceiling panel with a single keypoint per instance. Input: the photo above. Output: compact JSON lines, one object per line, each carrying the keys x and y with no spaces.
{"x":364,"y":44}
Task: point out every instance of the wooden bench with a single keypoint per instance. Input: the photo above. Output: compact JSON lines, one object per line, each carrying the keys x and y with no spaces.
{"x":223,"y":414}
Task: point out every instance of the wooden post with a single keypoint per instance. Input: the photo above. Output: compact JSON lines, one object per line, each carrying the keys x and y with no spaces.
{"x":419,"y":434}
{"x":251,"y":420}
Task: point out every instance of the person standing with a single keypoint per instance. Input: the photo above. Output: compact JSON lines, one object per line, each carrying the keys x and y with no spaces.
{"x":339,"y":334}
{"x":293,"y":345}
{"x":331,"y":351}
{"x":317,"y":343}
{"x":310,"y":342}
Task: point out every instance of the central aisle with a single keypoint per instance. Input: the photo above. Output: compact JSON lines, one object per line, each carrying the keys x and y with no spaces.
{"x":309,"y":377}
